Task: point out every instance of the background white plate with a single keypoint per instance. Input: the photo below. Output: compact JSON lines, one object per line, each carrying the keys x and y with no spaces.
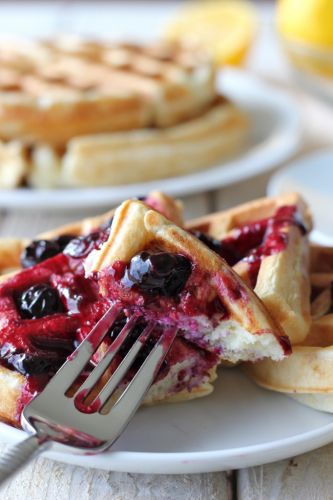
{"x":239,"y":425}
{"x":312,"y":176}
{"x":274,"y":137}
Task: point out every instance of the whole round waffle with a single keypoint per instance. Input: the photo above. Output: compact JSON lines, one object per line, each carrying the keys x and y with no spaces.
{"x":84,"y":113}
{"x":53,"y":91}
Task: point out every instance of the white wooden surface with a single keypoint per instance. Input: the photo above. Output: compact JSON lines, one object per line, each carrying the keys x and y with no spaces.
{"x":308,"y":477}
{"x":47,"y":480}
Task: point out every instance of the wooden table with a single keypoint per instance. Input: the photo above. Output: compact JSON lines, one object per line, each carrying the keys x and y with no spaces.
{"x":305,"y":477}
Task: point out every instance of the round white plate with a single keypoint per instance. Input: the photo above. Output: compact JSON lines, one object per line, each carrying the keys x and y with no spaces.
{"x":239,"y":425}
{"x":312,"y":176}
{"x":274,"y":137}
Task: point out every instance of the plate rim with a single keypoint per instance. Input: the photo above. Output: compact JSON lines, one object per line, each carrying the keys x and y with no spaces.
{"x":188,"y":462}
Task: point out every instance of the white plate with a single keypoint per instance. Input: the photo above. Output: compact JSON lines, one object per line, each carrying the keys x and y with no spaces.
{"x":312,"y":176}
{"x":239,"y":425}
{"x":274,"y":137}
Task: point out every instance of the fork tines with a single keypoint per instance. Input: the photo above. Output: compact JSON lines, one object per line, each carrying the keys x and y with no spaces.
{"x":108,"y":378}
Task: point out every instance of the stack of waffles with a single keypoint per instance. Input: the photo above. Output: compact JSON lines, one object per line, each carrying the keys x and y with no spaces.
{"x":241,"y":286}
{"x":307,"y":375}
{"x":86,"y":113}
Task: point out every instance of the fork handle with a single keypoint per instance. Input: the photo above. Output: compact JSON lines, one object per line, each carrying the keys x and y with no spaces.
{"x":19,"y":455}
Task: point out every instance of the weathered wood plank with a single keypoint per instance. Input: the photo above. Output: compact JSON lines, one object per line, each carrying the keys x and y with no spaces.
{"x":29,"y":223}
{"x":48,"y":480}
{"x":241,"y":192}
{"x":196,"y":205}
{"x":307,"y":477}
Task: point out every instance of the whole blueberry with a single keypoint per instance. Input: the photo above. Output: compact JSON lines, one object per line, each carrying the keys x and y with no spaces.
{"x":39,"y":301}
{"x":63,"y":240}
{"x":38,"y":251}
{"x":82,"y":245}
{"x":225,"y":250}
{"x":161,"y":273}
{"x":28,"y":364}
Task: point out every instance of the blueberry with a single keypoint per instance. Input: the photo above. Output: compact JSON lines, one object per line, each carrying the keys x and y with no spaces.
{"x":160,"y":273}
{"x":226,"y":251}
{"x":132,"y":336}
{"x":38,"y":301}
{"x":81,"y":246}
{"x":210,"y":242}
{"x":139,"y":198}
{"x":63,"y":240}
{"x":39,"y":250}
{"x":30,"y":365}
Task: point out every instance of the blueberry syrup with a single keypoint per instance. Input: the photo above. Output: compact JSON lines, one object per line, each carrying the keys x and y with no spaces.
{"x":251,"y":242}
{"x":42,"y":319}
{"x":80,"y":404}
{"x":285,"y":344}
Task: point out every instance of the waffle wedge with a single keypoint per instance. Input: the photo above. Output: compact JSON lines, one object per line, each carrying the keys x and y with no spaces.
{"x":307,"y":375}
{"x":264,"y":240}
{"x":217,"y":310}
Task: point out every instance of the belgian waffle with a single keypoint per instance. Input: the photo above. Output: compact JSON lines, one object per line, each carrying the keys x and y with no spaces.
{"x":141,"y":155}
{"x":52,"y":91}
{"x":265,"y":242}
{"x":307,"y":374}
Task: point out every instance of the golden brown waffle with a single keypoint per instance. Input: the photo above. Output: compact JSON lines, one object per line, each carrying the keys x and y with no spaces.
{"x":55,"y":90}
{"x":245,"y":332}
{"x":142,"y":155}
{"x":128,"y":157}
{"x":307,"y":375}
{"x":11,"y":248}
{"x":282,"y":280}
{"x":14,"y":165}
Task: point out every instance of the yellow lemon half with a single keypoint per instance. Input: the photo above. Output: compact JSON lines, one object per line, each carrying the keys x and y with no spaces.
{"x":224,"y":28}
{"x":307,"y":21}
{"x":307,"y":29}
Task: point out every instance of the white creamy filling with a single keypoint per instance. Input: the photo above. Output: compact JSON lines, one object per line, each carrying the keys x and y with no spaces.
{"x":235,"y":342}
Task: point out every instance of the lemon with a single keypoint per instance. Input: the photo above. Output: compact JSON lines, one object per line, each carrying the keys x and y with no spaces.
{"x":224,"y":28}
{"x":307,"y":21}
{"x":307,"y":29}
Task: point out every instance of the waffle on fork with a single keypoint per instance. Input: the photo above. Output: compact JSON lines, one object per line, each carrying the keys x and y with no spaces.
{"x":241,"y":328}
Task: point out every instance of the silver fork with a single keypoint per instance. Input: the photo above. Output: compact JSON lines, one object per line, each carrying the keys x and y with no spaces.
{"x":54,"y":416}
